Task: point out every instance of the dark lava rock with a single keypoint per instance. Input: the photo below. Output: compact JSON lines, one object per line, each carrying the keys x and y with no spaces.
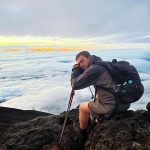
{"x":124,"y":131}
{"x":10,"y":116}
{"x":34,"y":134}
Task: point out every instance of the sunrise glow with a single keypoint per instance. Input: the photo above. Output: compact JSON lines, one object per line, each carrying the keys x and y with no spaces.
{"x":45,"y":44}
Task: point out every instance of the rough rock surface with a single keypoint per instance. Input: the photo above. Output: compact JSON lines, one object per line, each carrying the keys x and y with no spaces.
{"x":9,"y":116}
{"x":125,"y":131}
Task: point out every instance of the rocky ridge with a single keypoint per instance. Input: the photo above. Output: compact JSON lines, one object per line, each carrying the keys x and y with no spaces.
{"x":38,"y":131}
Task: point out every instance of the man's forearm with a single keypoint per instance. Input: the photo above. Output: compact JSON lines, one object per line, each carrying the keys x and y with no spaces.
{"x":75,"y":74}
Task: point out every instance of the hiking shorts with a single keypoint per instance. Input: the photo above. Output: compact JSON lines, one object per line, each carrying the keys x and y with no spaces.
{"x":104,"y":104}
{"x":98,"y":107}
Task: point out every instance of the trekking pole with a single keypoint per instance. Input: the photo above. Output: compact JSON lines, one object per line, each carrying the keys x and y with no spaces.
{"x":66,"y":116}
{"x":91,"y":92}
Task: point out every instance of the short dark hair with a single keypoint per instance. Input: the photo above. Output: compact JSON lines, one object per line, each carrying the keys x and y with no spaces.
{"x":84,"y":53}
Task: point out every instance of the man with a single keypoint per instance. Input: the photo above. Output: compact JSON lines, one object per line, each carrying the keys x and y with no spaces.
{"x":86,"y":73}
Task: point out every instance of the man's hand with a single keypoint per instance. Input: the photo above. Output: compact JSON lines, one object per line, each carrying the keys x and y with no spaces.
{"x":75,"y":66}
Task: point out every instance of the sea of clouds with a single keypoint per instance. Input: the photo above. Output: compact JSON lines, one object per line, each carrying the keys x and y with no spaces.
{"x":41,"y":80}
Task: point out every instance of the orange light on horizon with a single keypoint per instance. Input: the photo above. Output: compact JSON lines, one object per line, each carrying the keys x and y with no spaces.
{"x":48,"y":44}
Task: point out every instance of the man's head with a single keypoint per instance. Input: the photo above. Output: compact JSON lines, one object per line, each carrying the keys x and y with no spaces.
{"x":83,"y":59}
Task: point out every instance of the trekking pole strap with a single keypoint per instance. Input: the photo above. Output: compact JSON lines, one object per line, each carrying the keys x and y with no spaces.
{"x":66,"y":116}
{"x":91,"y":93}
{"x":70,"y":100}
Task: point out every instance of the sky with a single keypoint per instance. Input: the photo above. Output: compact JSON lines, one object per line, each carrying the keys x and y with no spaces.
{"x":97,"y":21}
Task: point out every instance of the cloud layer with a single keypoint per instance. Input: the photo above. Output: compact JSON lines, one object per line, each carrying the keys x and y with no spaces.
{"x":74,"y":18}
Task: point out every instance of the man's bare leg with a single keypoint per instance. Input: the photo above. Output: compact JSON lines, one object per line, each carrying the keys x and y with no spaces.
{"x":84,"y":114}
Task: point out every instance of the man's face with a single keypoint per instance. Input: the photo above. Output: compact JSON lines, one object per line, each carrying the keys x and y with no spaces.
{"x":83,"y":61}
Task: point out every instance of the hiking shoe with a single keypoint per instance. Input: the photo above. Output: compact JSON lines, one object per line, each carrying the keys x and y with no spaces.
{"x":82,"y":136}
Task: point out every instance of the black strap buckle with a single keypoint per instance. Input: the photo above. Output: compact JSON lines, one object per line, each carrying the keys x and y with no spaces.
{"x":117,"y":88}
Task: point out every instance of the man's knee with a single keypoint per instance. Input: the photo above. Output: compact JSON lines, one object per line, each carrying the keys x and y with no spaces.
{"x":84,"y":107}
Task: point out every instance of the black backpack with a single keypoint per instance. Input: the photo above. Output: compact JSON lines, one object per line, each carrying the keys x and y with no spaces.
{"x":128,"y":87}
